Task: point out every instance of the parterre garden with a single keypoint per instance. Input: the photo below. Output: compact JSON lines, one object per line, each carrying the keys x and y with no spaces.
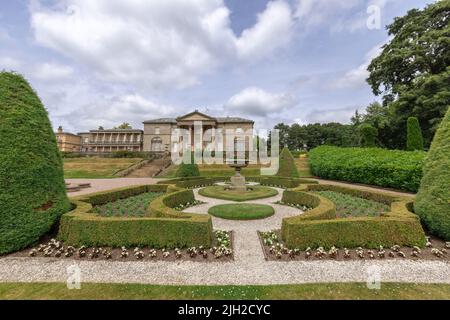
{"x":153,"y":222}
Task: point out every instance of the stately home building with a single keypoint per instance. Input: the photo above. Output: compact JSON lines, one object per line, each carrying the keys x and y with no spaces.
{"x":158,"y":132}
{"x":157,"y":135}
{"x":68,"y":142}
{"x":111,"y":140}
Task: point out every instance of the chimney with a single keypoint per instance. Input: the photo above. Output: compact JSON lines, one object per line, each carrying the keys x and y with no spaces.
{"x":60,"y":129}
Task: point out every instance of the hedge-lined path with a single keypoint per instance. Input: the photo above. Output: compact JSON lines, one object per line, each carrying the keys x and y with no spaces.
{"x":248,"y":268}
{"x":247,"y":247}
{"x":108,"y":184}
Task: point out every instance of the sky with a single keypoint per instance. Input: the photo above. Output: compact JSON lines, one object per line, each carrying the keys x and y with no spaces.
{"x":104,"y":62}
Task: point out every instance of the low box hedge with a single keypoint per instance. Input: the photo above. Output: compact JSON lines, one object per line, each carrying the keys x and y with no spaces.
{"x":320,"y":227}
{"x":163,"y":227}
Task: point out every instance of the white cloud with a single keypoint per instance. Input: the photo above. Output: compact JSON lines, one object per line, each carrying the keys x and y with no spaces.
{"x":257,"y":102}
{"x":337,"y":15}
{"x":273,"y":30}
{"x":357,"y":77}
{"x":342,"y":115}
{"x":8,"y":63}
{"x":52,"y":72}
{"x":156,"y":43}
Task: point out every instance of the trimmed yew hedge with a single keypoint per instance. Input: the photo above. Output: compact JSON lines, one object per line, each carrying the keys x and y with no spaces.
{"x":433,"y":199}
{"x":287,"y":165}
{"x":32,"y":190}
{"x":162,"y":227}
{"x":386,"y":168}
{"x":274,"y":181}
{"x":319,"y":227}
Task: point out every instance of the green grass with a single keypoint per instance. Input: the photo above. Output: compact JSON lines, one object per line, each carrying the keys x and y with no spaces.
{"x":220,"y":192}
{"x":303,"y":167}
{"x":135,"y":206}
{"x":214,"y":170}
{"x":327,"y":291}
{"x":350,"y":206}
{"x":95,"y":167}
{"x":242,"y":211}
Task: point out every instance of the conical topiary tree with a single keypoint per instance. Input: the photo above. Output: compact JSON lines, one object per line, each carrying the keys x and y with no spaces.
{"x":32,"y":188}
{"x":414,"y":138}
{"x":287,"y":165}
{"x":433,"y":199}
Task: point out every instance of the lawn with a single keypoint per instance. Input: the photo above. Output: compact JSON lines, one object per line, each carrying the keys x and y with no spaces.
{"x":221,"y":192}
{"x":348,"y":291}
{"x":303,"y":168}
{"x":215,"y":170}
{"x":242,"y":211}
{"x":96,"y":167}
{"x":135,"y":206}
{"x":350,"y":206}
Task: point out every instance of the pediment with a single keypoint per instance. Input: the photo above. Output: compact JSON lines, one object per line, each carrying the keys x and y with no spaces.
{"x":196,"y":116}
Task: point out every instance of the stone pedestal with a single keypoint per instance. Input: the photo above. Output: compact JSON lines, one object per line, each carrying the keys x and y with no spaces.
{"x":238,"y":183}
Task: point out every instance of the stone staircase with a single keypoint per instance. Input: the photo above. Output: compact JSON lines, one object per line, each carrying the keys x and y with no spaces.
{"x":151,"y":169}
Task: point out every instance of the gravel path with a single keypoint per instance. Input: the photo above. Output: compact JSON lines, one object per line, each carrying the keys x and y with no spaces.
{"x":248,"y":268}
{"x":247,"y":247}
{"x":108,"y":184}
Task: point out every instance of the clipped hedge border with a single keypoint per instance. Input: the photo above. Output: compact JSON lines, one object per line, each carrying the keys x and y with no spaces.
{"x":164,"y":227}
{"x":319,"y":227}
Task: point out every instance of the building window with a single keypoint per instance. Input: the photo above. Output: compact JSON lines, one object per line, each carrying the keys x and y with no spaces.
{"x":157,"y":130}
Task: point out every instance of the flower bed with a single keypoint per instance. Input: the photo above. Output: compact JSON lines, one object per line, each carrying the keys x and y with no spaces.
{"x":135,"y":206}
{"x":221,"y":250}
{"x":319,"y":227}
{"x":161,"y":227}
{"x":276,"y":250}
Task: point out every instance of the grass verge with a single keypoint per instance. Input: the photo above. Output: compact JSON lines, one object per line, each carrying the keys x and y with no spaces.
{"x":325,"y":291}
{"x":220,"y":192}
{"x":242,"y":211}
{"x":95,"y":167}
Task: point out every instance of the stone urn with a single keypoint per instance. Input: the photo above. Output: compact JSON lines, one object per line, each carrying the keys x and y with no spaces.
{"x":238,"y":180}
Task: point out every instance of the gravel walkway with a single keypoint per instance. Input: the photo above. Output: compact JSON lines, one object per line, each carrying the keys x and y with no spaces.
{"x":108,"y":184}
{"x":248,"y":268}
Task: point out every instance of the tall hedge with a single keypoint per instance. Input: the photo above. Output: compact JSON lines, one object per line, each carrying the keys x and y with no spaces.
{"x":414,"y":138}
{"x":433,"y":199}
{"x":386,"y":168}
{"x":287,"y":165}
{"x":32,"y":189}
{"x":368,"y":135}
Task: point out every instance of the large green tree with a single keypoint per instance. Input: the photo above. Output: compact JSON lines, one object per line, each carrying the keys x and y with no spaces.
{"x":412,"y":72}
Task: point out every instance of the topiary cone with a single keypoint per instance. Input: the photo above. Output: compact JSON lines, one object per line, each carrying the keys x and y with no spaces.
{"x":32,"y":188}
{"x":433,"y":199}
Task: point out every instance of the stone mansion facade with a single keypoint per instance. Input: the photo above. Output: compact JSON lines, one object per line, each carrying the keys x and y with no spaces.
{"x":157,"y":134}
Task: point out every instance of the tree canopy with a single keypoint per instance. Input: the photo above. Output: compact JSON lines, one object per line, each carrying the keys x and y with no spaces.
{"x":412,"y":73}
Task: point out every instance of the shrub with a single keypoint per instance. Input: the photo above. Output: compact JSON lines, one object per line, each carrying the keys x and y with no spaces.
{"x":287,"y":165}
{"x":375,"y":166}
{"x":368,"y":135}
{"x":32,"y":188}
{"x":433,"y":200}
{"x":162,"y":227}
{"x":188,"y":170}
{"x":320,"y":227}
{"x":414,"y":135}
